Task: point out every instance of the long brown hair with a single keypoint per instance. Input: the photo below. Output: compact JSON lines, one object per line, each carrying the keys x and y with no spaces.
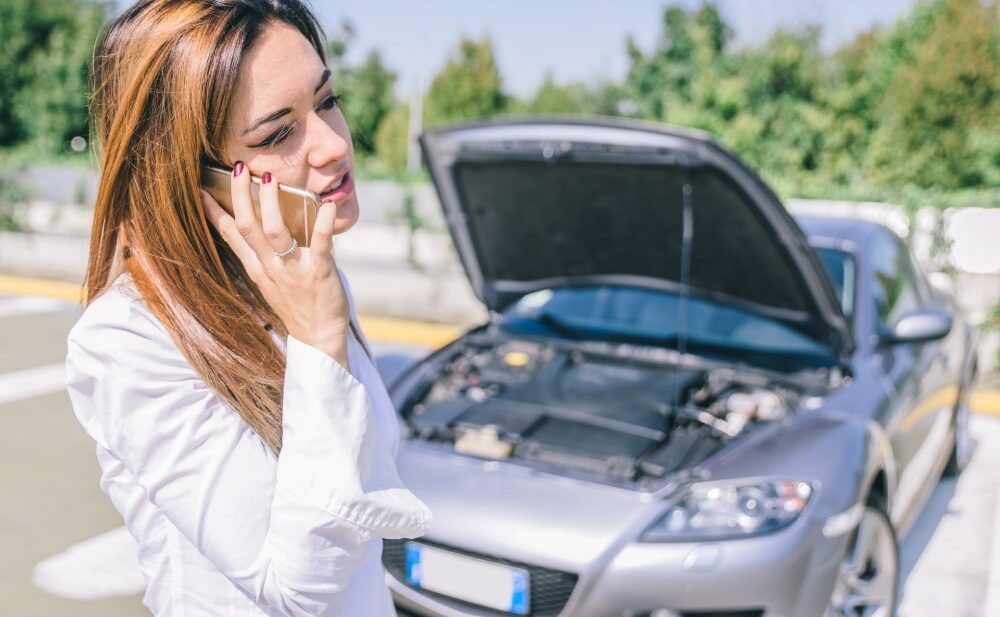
{"x":162,"y":80}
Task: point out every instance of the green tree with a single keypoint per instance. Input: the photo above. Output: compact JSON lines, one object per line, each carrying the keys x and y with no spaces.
{"x":338,"y":44}
{"x":688,"y":78}
{"x":852,"y":97}
{"x":941,"y":106}
{"x":785,"y":94}
{"x":45,"y":49}
{"x":469,"y":86}
{"x":391,"y":139}
{"x":367,"y":88}
{"x":575,"y":98}
{"x":553,"y":98}
{"x":368,"y":100}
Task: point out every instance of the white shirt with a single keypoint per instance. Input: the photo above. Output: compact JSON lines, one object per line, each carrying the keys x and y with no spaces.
{"x":224,"y":526}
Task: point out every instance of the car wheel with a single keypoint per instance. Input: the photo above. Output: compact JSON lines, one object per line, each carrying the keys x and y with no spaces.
{"x":961,"y":451}
{"x":869,"y":575}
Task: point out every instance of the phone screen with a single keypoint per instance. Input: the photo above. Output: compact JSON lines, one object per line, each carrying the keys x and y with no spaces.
{"x":298,"y":206}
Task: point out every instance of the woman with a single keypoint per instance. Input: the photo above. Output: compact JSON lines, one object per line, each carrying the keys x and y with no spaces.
{"x":242,"y":431}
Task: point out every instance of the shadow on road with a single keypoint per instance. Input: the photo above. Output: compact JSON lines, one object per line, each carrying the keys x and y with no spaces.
{"x":944,"y":552}
{"x":912,"y":546}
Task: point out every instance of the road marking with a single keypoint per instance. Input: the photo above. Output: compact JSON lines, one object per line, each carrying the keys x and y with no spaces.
{"x":985,"y":402}
{"x":32,"y":382}
{"x":386,"y":329}
{"x":408,"y":332}
{"x":29,"y":305}
{"x":23,"y":286}
{"x":104,"y":566}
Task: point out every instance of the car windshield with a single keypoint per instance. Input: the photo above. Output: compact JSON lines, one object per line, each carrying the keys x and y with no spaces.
{"x":630,"y":314}
{"x":840,"y":266}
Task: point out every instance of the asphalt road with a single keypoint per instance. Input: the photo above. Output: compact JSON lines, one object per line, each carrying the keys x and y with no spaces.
{"x":63,"y":552}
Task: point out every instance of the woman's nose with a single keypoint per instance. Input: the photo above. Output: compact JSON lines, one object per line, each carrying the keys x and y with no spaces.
{"x":326,"y":145}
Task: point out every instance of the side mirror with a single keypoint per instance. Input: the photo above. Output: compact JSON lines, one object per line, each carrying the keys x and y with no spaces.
{"x":918,"y":327}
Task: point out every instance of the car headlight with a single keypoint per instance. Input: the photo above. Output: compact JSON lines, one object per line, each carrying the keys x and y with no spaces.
{"x":715,"y":510}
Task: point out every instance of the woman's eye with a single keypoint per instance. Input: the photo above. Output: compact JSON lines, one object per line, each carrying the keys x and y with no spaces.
{"x":276,"y":137}
{"x":329,"y":102}
{"x":281,"y":134}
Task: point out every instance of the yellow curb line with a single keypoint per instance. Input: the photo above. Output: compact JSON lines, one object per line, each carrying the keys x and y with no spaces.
{"x":408,"y":332}
{"x":382,"y":329}
{"x":22,"y":286}
{"x":985,"y":402}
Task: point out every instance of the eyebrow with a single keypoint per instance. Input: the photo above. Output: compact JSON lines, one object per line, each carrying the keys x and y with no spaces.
{"x":284,"y":111}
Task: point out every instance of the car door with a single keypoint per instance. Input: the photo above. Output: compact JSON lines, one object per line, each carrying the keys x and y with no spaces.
{"x":942,"y":382}
{"x":914,"y":371}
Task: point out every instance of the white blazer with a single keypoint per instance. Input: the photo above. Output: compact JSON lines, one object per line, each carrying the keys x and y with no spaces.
{"x":224,"y":526}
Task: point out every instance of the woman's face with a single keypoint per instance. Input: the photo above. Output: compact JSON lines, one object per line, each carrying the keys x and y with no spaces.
{"x":285,"y":119}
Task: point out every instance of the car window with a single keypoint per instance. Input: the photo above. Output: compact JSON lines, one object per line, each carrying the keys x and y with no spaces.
{"x":634,"y":314}
{"x":840,"y":266}
{"x":894,"y":287}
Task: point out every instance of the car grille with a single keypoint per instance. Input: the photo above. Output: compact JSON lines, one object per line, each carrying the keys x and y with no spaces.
{"x":550,"y":589}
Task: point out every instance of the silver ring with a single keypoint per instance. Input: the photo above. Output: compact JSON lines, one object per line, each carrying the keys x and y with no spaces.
{"x":289,"y":250}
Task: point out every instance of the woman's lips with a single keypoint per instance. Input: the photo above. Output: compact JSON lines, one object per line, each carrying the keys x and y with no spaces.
{"x":341,"y":192}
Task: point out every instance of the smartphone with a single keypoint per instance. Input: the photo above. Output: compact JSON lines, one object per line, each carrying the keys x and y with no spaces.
{"x":298,"y":206}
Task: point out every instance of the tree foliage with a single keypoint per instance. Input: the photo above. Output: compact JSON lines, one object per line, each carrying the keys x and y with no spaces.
{"x":367,"y":88}
{"x":940,"y":108}
{"x":45,"y":49}
{"x":910,"y":107}
{"x":368,"y":100}
{"x":903,"y":112}
{"x":468,"y":87}
{"x":391,"y":139}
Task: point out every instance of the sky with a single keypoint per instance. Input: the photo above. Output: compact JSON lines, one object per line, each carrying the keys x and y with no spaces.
{"x":575,"y":40}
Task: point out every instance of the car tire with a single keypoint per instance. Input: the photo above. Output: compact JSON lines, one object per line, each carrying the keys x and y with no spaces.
{"x":961,"y":449}
{"x":868,"y":578}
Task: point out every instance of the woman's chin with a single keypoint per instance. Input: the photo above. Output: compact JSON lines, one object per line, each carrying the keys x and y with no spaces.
{"x":347,"y":215}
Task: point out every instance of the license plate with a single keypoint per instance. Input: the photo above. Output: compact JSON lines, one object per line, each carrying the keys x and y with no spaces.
{"x":467,"y":578}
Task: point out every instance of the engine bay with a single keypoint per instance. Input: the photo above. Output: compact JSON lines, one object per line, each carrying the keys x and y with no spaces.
{"x":618,"y":416}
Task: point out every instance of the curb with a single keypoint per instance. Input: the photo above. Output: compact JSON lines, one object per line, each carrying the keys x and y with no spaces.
{"x":376,"y":327}
{"x":376,"y":258}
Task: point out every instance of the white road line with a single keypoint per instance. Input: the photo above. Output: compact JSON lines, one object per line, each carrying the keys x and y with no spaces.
{"x":104,"y":566}
{"x":31,"y":382}
{"x":29,"y":305}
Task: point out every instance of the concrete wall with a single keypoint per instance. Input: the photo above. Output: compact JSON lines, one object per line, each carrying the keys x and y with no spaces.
{"x":431,"y":285}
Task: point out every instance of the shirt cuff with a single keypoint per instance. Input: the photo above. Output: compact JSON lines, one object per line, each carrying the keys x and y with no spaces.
{"x":330,"y":453}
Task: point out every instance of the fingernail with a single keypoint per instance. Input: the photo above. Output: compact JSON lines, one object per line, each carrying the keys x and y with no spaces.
{"x":237,"y":168}
{"x":265,"y":178}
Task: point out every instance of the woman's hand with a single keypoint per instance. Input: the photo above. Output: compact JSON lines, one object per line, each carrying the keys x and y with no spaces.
{"x":302,"y":287}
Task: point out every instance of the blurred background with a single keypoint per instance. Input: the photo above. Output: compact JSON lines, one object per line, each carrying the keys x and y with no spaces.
{"x":887,"y":110}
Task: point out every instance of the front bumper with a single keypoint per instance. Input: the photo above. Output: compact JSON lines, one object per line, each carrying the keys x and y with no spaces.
{"x":789,"y":573}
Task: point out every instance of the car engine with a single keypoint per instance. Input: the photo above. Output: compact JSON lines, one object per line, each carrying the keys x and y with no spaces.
{"x":614,"y":415}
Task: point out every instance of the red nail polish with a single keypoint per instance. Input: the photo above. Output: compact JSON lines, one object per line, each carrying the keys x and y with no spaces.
{"x":265,"y":178}
{"x":237,"y":168}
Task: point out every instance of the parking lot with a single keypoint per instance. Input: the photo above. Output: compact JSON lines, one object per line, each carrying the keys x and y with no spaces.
{"x":64,"y":552}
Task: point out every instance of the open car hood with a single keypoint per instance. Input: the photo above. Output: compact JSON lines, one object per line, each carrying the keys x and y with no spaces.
{"x":544,"y":203}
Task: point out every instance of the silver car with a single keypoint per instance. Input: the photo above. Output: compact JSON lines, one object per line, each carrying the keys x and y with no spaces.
{"x":682,"y":404}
